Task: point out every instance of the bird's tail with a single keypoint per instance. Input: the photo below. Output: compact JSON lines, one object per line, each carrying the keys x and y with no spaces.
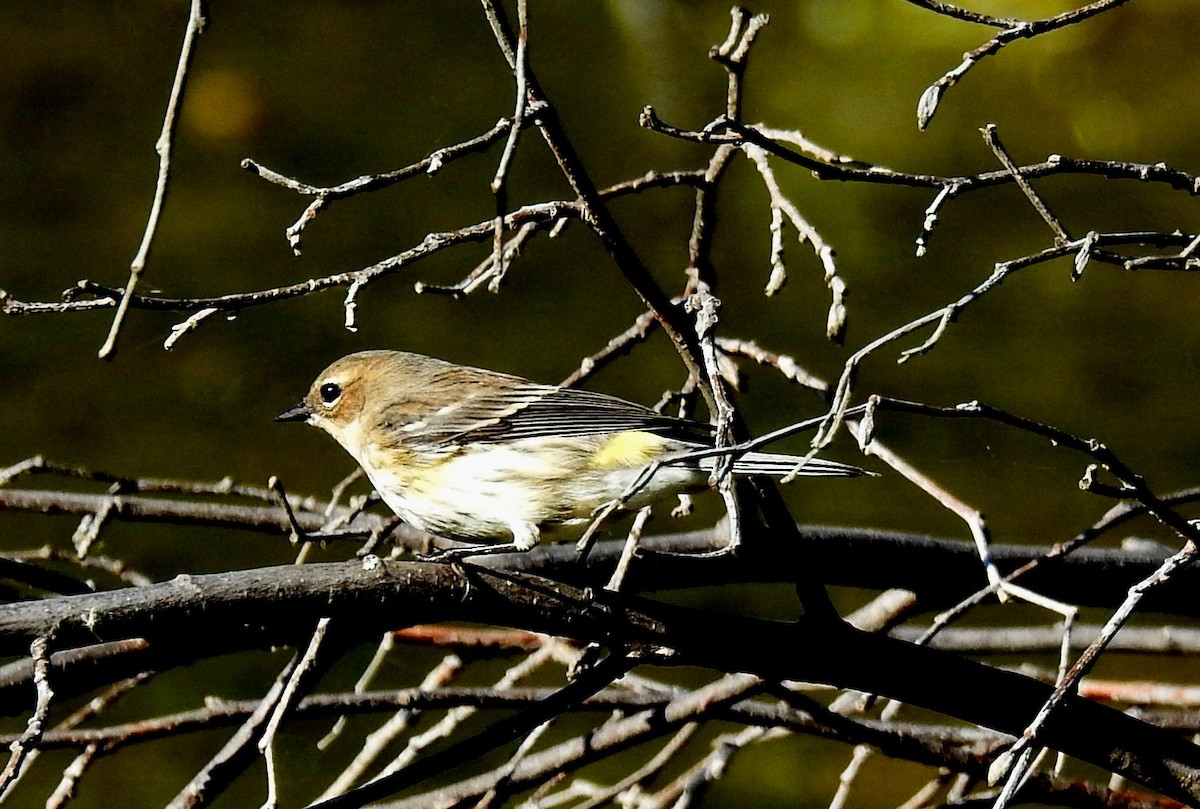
{"x":768,"y":463}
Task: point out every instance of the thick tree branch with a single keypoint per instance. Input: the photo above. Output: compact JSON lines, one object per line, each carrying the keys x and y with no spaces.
{"x":279,"y":600}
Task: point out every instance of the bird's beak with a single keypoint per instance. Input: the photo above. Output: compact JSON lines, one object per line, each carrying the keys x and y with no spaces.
{"x":297,"y":412}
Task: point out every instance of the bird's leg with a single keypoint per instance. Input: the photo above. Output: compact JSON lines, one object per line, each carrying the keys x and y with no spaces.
{"x":465,"y":552}
{"x":525,"y":536}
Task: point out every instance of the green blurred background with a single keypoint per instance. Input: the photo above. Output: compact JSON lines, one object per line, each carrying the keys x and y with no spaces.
{"x":324,"y":92}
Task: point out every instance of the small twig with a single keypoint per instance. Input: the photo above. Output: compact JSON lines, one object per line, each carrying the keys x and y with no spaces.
{"x":1084,"y":255}
{"x":90,"y":710}
{"x":378,"y":535}
{"x":456,"y":717}
{"x":298,"y":534}
{"x":1164,"y":640}
{"x":733,"y":53}
{"x":195,"y":25}
{"x":781,"y":206}
{"x":107,"y":564}
{"x":36,"y":726}
{"x":90,"y":526}
{"x":1090,"y":655}
{"x":263,"y":519}
{"x":230,"y":759}
{"x":725,"y":131}
{"x":627,"y":553}
{"x":688,"y":788}
{"x":351,"y":304}
{"x":974,"y":519}
{"x":506,"y":730}
{"x":35,"y":463}
{"x":594,"y":211}
{"x":336,"y":493}
{"x":862,"y":753}
{"x":617,"y":347}
{"x":65,"y":791}
{"x":506,"y":772}
{"x":192,"y":322}
{"x":488,"y":270}
{"x":782,"y":363}
{"x":620,"y":732}
{"x":941,"y":319}
{"x":377,"y":742}
{"x":293,"y":690}
{"x":925,"y":797}
{"x":127,"y":484}
{"x":430,"y":164}
{"x":1133,"y":485}
{"x":992,"y":138}
{"x":652,"y":767}
{"x":1014,"y":30}
{"x":499,"y":181}
{"x":386,"y":644}
{"x":946,"y":9}
{"x":707,"y":309}
{"x":948,"y":192}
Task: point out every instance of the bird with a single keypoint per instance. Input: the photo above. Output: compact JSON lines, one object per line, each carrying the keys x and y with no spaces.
{"x":501,"y":461}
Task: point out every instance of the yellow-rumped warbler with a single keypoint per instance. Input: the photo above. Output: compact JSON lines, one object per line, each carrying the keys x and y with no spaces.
{"x":477,"y":455}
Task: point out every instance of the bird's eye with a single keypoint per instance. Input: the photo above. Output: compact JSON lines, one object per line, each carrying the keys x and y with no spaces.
{"x":330,"y":393}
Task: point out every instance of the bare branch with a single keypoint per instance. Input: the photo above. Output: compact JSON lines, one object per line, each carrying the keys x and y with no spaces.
{"x":197,"y":18}
{"x":1014,"y":30}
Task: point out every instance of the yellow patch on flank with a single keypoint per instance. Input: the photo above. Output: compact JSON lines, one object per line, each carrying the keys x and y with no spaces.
{"x":631,"y":448}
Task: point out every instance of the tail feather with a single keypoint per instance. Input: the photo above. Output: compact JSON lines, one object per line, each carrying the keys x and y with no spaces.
{"x":767,"y":463}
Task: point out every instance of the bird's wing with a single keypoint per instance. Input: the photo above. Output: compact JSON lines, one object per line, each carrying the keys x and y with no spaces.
{"x":529,"y":410}
{"x":533,"y":411}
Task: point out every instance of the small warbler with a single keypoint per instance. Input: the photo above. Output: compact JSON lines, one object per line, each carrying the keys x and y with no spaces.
{"x":480,"y":456}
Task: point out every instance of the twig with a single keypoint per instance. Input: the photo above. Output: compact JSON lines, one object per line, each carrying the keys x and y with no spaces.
{"x":298,"y":533}
{"x":489,"y":270}
{"x":1014,"y":30}
{"x":501,"y":787}
{"x":35,"y":727}
{"x":386,"y":644}
{"x":90,"y":527}
{"x":723,"y":130}
{"x":1090,"y":655}
{"x":1132,"y":485}
{"x":378,"y":740}
{"x":272,"y":520}
{"x":501,"y":732}
{"x":431,"y":164}
{"x":190,"y":324}
{"x":992,"y":138}
{"x":652,"y":767}
{"x":195,"y":25}
{"x":783,"y":363}
{"x":1158,"y":640}
{"x":964,"y":14}
{"x":300,"y":679}
{"x":594,"y":210}
{"x":630,"y":549}
{"x":947,"y":193}
{"x":65,"y":790}
{"x":90,"y":710}
{"x":621,"y":697}
{"x":706,"y":308}
{"x":617,"y":734}
{"x":231,"y":758}
{"x":689,"y":788}
{"x":781,"y":206}
{"x":617,"y":347}
{"x":499,"y":184}
{"x":942,"y":318}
